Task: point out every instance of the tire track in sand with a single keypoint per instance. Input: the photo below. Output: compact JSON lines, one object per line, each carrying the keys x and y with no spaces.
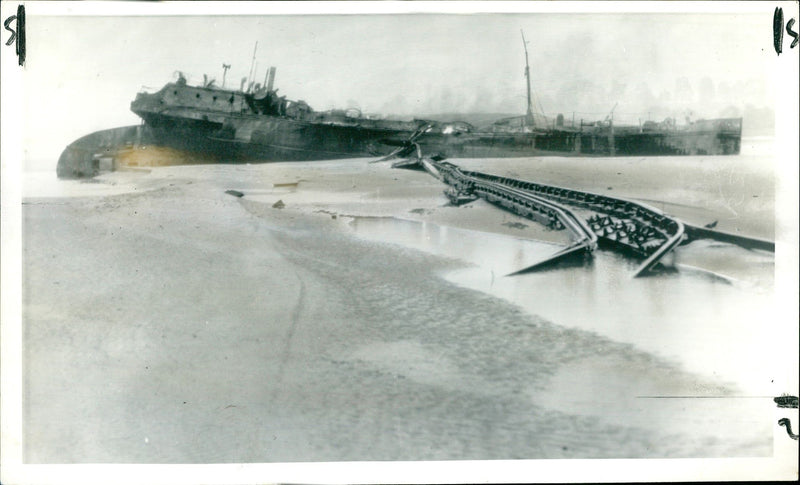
{"x":287,"y":347}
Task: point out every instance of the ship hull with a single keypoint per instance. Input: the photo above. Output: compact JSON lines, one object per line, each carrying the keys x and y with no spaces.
{"x":191,"y":124}
{"x":265,"y":139}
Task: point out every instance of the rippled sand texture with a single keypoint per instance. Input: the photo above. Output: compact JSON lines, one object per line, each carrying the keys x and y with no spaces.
{"x":168,"y":322}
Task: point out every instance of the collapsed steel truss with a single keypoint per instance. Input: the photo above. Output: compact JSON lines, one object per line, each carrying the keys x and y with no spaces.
{"x":624,"y":224}
{"x":621,"y":224}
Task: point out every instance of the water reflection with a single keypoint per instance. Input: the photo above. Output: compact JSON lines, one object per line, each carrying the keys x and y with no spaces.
{"x":702,"y":322}
{"x":706,"y":324}
{"x":496,"y":253}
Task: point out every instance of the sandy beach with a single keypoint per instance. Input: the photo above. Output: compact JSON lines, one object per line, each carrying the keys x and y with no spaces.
{"x":343,"y":311}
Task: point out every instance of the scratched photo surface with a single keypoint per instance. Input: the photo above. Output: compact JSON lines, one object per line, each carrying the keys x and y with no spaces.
{"x":177,"y":308}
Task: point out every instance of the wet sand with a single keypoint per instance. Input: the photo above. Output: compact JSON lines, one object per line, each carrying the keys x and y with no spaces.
{"x":168,"y":322}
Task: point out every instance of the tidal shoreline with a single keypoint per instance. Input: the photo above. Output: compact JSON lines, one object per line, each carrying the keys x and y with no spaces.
{"x":168,"y":322}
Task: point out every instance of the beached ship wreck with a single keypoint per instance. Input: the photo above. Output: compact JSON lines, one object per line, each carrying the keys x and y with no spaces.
{"x":194,"y":124}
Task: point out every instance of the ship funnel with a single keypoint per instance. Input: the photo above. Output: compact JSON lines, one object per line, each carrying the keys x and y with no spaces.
{"x":271,"y":80}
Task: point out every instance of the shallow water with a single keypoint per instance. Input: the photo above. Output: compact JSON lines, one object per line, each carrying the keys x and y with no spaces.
{"x":706,"y":322}
{"x":48,"y":185}
{"x":496,"y":253}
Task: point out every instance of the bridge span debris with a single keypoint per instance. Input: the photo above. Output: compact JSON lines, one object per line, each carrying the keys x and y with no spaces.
{"x":627,"y":226}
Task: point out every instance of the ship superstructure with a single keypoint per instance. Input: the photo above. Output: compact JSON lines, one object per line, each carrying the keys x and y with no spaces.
{"x":207,"y":123}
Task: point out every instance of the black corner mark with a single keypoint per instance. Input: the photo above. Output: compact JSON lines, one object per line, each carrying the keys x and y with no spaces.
{"x":777,"y":31}
{"x":13,"y":32}
{"x":788,"y":424}
{"x":786,"y":401}
{"x":17,"y":35}
{"x":792,"y":33}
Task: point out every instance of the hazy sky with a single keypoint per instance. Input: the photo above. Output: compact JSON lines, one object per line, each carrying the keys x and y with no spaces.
{"x":82,"y":72}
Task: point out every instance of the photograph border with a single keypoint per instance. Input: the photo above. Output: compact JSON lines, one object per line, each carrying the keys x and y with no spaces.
{"x":782,"y":466}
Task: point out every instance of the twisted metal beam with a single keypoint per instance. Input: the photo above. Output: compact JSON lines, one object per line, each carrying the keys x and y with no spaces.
{"x":623,"y":224}
{"x":523,"y":203}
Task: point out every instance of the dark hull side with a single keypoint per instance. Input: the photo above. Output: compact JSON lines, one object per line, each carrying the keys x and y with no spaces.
{"x":249,"y":138}
{"x":555,"y":143}
{"x":267,"y":138}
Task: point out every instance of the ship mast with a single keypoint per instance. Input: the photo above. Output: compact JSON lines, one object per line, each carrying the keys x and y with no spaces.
{"x":252,"y":63}
{"x":529,"y":114}
{"x":225,"y":68}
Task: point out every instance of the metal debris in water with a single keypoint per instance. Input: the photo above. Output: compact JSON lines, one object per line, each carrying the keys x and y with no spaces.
{"x":620,"y":224}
